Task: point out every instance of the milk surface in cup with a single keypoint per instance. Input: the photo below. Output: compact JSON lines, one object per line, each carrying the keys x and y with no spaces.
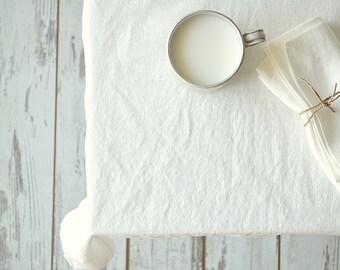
{"x":206,"y":49}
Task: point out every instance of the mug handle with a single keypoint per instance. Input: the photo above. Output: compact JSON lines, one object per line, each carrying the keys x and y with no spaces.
{"x":253,"y":38}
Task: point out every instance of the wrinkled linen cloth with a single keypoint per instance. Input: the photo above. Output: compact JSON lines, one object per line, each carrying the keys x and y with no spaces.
{"x":163,"y":160}
{"x":308,"y":57}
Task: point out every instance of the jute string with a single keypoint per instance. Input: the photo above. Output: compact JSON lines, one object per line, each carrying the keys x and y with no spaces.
{"x":323,"y":103}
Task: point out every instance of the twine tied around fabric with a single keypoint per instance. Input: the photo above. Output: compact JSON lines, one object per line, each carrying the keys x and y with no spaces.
{"x":323,"y":103}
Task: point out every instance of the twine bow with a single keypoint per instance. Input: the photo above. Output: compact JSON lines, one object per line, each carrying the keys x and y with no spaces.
{"x":323,"y":103}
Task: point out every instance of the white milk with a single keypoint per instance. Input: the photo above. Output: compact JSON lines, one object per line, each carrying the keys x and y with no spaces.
{"x":206,"y":49}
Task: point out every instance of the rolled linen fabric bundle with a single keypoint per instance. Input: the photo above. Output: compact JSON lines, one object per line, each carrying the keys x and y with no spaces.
{"x":307,"y":57}
{"x":82,"y":249}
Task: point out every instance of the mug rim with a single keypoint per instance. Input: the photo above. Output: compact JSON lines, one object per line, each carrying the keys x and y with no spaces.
{"x":185,"y":18}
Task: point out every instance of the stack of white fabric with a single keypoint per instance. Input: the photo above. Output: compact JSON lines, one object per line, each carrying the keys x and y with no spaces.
{"x":165,"y":161}
{"x":309,"y":54}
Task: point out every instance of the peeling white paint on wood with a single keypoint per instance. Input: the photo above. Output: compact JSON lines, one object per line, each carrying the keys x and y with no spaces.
{"x":27,"y":93}
{"x":241,"y":253}
{"x":70,"y":186}
{"x":166,"y":253}
{"x":119,"y":258}
{"x":310,"y":252}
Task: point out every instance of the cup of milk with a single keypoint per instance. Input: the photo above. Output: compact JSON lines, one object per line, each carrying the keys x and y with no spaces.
{"x":206,"y":48}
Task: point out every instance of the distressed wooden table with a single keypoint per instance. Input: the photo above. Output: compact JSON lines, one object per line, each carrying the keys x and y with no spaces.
{"x":42,"y":176}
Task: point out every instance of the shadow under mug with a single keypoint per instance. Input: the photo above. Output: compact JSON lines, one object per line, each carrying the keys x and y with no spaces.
{"x":245,"y":40}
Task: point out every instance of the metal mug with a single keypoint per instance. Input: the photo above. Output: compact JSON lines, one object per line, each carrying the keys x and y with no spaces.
{"x":248,"y":39}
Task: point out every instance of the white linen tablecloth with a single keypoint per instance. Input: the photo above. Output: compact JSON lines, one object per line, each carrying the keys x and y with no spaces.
{"x":163,"y":160}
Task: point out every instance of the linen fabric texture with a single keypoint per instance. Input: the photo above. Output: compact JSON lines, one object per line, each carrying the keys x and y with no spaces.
{"x":164,"y":160}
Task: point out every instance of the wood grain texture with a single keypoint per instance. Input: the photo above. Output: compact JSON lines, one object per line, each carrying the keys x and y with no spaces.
{"x":27,"y":96}
{"x":242,"y":253}
{"x":166,"y":253}
{"x":70,"y":186}
{"x":118,"y":261}
{"x":310,"y":252}
{"x":70,"y":181}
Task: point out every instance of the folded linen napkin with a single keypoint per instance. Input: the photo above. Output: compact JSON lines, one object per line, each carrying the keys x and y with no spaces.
{"x":309,"y":52}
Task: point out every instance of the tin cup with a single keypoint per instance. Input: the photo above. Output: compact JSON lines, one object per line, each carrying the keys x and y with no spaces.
{"x":238,"y":43}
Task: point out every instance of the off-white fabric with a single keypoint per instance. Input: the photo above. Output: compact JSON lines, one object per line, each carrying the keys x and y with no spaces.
{"x":304,"y":58}
{"x":165,"y":160}
{"x":82,"y":249}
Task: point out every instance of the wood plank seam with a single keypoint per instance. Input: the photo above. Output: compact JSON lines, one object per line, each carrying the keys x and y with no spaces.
{"x":278,"y":245}
{"x":55,"y":133}
{"x":127,"y":254}
{"x":338,"y":252}
{"x":204,"y":253}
